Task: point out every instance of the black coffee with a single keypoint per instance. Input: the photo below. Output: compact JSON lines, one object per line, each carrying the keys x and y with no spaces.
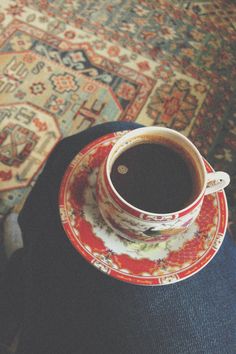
{"x":155,"y":178}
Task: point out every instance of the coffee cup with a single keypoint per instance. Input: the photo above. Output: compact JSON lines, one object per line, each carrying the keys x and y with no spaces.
{"x":152,"y":184}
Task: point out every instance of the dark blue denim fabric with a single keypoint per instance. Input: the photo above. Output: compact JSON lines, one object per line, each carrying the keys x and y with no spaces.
{"x":71,"y":307}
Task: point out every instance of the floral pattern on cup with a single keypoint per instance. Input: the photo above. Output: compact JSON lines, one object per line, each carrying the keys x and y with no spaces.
{"x":135,"y":224}
{"x":121,"y":221}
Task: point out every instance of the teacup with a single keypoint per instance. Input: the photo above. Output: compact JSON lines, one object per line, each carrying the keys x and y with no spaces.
{"x":136,"y":224}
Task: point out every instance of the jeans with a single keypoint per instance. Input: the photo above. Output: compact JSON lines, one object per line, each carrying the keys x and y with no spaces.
{"x":70,"y":307}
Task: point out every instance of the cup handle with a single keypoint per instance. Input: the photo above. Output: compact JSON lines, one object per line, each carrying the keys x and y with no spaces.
{"x":216,"y":181}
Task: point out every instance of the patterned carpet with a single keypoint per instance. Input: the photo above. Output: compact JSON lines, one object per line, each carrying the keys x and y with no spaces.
{"x":66,"y":65}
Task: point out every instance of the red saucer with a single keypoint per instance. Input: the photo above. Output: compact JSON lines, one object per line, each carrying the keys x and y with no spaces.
{"x":138,"y":263}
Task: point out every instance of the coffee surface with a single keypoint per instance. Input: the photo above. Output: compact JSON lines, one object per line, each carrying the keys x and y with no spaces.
{"x":154,"y":177}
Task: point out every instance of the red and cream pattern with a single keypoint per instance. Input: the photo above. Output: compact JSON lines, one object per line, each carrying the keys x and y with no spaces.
{"x":27,"y":136}
{"x":139,"y":263}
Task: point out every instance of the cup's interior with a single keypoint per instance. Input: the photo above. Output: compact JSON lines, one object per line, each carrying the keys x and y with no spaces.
{"x":163,"y":136}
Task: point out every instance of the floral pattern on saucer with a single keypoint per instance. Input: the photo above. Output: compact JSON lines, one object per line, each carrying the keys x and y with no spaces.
{"x":139,"y":263}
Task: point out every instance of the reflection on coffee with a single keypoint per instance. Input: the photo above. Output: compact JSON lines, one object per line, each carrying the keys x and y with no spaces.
{"x":156,"y":177}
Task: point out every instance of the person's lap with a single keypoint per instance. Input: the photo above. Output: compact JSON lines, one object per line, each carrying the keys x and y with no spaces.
{"x":70,"y":307}
{"x":103,"y":315}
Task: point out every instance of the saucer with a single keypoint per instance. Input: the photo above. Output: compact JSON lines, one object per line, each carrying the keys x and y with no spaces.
{"x":139,"y":263}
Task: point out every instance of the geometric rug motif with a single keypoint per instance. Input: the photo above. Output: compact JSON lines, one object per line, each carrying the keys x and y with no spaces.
{"x":156,"y":30}
{"x":27,"y":136}
{"x":79,"y":87}
{"x":173,"y":34}
{"x":221,"y":13}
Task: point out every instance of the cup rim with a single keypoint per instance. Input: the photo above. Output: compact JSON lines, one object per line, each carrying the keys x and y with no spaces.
{"x":136,"y":132}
